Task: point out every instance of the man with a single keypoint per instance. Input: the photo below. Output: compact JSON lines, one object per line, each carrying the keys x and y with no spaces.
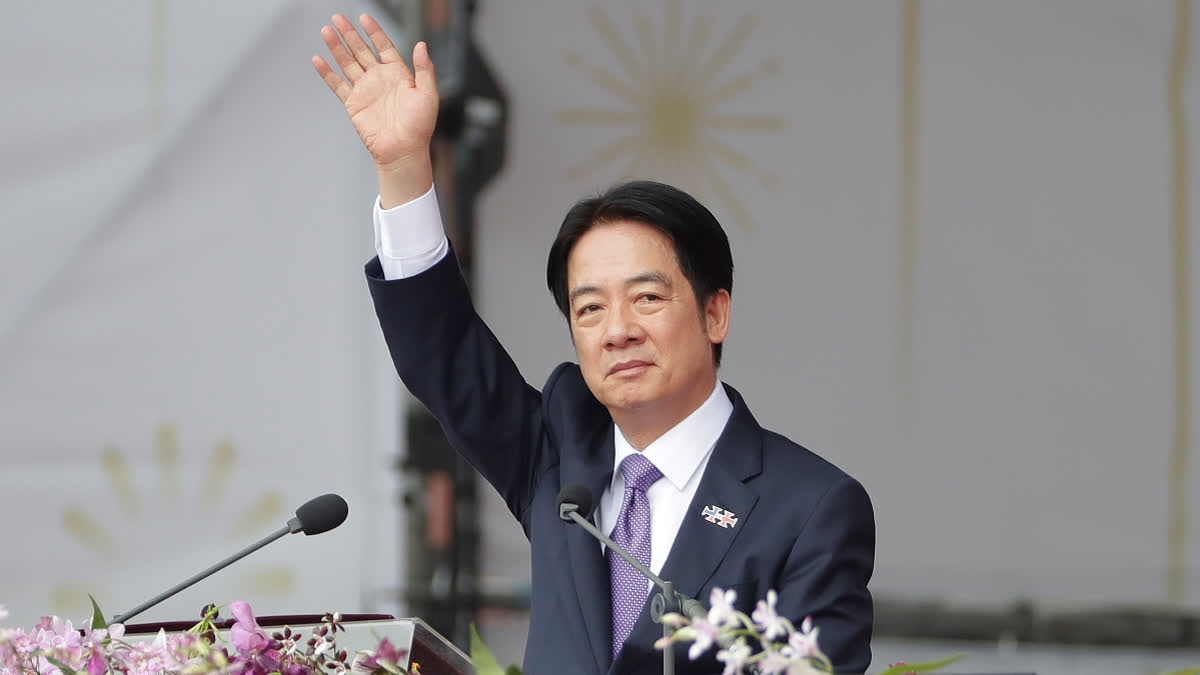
{"x":686,"y":478}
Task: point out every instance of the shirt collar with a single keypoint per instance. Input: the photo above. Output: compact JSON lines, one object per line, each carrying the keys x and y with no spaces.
{"x":680,"y":451}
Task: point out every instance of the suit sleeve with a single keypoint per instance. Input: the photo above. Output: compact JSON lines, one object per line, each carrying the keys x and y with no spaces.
{"x":827,"y":572}
{"x":450,"y":360}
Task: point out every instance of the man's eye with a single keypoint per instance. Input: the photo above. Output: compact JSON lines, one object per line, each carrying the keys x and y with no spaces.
{"x":651,"y":297}
{"x":588,"y":309}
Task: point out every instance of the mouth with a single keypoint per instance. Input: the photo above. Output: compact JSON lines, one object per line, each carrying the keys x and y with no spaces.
{"x":629,"y":368}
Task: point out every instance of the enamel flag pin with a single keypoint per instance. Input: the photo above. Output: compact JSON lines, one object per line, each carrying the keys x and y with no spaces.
{"x":718,"y":515}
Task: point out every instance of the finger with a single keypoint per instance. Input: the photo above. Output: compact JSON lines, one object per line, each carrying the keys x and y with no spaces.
{"x":341,"y":55}
{"x":425,"y":77}
{"x":336,"y":84}
{"x":361,"y":51}
{"x":383,"y":44}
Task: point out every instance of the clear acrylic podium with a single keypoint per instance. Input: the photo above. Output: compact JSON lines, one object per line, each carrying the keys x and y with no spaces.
{"x":434,"y":653}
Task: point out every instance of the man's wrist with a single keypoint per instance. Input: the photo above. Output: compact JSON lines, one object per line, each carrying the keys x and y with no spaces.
{"x":402,"y":182}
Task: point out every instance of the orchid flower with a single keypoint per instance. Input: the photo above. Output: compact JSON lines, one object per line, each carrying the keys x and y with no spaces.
{"x":245,"y":633}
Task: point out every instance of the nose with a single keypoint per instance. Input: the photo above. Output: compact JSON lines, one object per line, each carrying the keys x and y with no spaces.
{"x":622,"y":329}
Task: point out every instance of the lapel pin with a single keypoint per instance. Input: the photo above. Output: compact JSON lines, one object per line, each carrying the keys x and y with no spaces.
{"x":718,"y":515}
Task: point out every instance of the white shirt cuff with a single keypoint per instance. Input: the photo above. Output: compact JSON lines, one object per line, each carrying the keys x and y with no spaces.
{"x":409,"y":238}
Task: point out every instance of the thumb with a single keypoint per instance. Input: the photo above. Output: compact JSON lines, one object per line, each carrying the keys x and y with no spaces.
{"x":423,"y":65}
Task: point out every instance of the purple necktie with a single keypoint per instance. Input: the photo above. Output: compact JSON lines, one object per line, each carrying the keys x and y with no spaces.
{"x":631,"y":533}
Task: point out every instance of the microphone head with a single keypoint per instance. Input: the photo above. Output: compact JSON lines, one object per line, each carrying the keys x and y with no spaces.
{"x":579,"y":495}
{"x":322,"y":514}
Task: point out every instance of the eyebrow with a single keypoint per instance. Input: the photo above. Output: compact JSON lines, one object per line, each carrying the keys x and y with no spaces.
{"x":644,"y":277}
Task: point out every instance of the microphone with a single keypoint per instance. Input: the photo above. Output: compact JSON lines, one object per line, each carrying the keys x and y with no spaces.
{"x":319,"y":515}
{"x":576,"y":499}
{"x":314,"y":517}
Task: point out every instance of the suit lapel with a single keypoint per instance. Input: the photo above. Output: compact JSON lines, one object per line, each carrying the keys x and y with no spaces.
{"x":700,"y":545}
{"x":587,"y":569}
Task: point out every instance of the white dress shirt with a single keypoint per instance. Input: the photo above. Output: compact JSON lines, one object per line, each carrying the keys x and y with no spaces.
{"x":410,"y":239}
{"x":681,"y":455}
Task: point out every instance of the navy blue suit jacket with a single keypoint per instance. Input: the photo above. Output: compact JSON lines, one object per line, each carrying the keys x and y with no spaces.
{"x":804,"y":528}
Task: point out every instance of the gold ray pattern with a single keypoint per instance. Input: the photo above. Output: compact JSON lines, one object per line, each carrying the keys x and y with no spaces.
{"x":742,"y":162}
{"x":89,"y":532}
{"x":220,"y":470}
{"x":276,"y":580}
{"x":669,"y":107}
{"x":602,"y":79}
{"x":598,"y":118}
{"x":117,"y":471}
{"x":166,"y":451}
{"x":609,"y":153}
{"x":70,"y":597}
{"x":740,"y":84}
{"x":613,"y":40}
{"x":763,"y":123}
{"x":260,"y":515}
{"x":1181,"y":432}
{"x":734,"y":42}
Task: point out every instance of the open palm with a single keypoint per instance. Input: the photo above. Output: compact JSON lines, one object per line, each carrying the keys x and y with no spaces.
{"x":393,"y":109}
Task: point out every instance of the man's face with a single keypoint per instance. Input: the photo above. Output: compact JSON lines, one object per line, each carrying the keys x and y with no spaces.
{"x":642,"y":340}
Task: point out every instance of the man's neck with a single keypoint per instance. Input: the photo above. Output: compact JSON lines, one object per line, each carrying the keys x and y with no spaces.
{"x":644,"y":425}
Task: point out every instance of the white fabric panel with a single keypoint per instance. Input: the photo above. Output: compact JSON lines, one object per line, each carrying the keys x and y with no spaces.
{"x":1028,"y":457}
{"x":217,"y":292}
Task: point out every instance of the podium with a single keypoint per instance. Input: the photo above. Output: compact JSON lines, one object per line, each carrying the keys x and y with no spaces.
{"x":435,"y":654}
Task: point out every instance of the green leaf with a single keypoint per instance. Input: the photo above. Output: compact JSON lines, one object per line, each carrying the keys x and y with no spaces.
{"x":481,"y":656}
{"x":512,"y":670}
{"x":1185,"y":671}
{"x":928,"y":666}
{"x":98,"y":620}
{"x":67,"y":670}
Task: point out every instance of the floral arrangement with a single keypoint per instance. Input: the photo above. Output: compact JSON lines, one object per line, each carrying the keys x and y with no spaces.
{"x":56,"y":647}
{"x":763,"y":642}
{"x":767,"y":643}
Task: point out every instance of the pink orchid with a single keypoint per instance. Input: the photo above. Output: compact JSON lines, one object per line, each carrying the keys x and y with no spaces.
{"x":96,"y":664}
{"x":804,"y":641}
{"x":766,"y":618}
{"x":735,"y":657}
{"x":721,"y":610}
{"x":706,"y":635}
{"x":386,"y":656}
{"x":774,"y":662}
{"x":245,"y":633}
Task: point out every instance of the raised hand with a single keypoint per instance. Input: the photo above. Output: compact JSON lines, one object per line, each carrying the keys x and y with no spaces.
{"x":392,"y":108}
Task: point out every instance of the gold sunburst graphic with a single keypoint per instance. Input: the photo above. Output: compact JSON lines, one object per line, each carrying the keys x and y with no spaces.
{"x":672,"y":108}
{"x":96,"y":536}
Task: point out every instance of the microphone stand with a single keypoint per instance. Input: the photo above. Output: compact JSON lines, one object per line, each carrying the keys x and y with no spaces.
{"x":292,"y":527}
{"x":666,"y":601}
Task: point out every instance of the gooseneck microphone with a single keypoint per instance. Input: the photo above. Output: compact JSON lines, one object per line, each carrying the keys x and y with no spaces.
{"x":319,"y":515}
{"x":314,"y":517}
{"x":574,"y":500}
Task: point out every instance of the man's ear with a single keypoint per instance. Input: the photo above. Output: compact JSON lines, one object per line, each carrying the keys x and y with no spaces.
{"x":716,"y":315}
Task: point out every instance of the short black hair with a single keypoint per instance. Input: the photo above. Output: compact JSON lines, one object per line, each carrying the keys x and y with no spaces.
{"x":701,"y":246}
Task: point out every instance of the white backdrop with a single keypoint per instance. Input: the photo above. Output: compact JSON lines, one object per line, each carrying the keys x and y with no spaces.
{"x":187,"y":349}
{"x":186,"y":213}
{"x":1026,"y":451}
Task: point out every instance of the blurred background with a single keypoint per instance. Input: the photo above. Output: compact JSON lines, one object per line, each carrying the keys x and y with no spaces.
{"x":963,"y":231}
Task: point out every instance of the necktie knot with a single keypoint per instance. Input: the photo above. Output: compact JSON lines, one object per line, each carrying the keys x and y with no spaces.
{"x":640,"y":473}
